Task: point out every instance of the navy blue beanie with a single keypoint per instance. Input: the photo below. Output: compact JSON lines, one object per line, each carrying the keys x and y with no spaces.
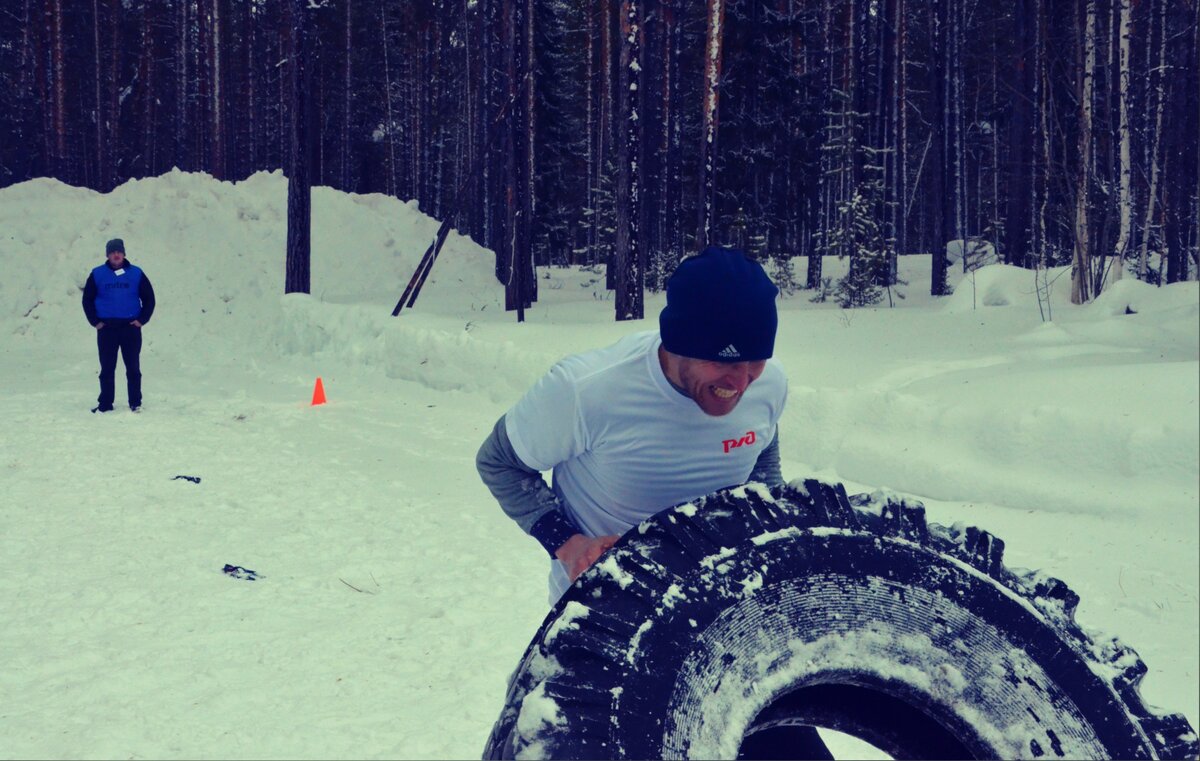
{"x":720,"y":307}
{"x":116,"y":244}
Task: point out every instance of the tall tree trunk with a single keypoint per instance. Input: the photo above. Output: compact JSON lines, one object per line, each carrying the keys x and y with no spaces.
{"x":900,"y":120}
{"x":708,"y":130}
{"x":1081,"y":263}
{"x":217,"y":109}
{"x":347,"y":179}
{"x":44,"y":70}
{"x":98,"y":116}
{"x":284,"y":91}
{"x":674,"y":181}
{"x":113,"y":139}
{"x":390,"y":127}
{"x":201,"y":147}
{"x":529,"y":180}
{"x":299,"y":207}
{"x":668,"y":210}
{"x":30,"y":74}
{"x":849,"y":170}
{"x":529,"y":171}
{"x":466,"y":221}
{"x":507,"y":249}
{"x":607,"y":120}
{"x":181,"y":121}
{"x":518,"y":198}
{"x":1016,"y":245}
{"x":956,"y":103}
{"x":250,"y":48}
{"x":1181,"y":142}
{"x":939,"y":142}
{"x":149,"y":97}
{"x":1126,"y":164}
{"x":1039,"y":181}
{"x":58,"y":46}
{"x":630,"y":276}
{"x":1155,"y":141}
{"x":825,"y":197}
{"x":589,"y":34}
{"x":486,"y":76}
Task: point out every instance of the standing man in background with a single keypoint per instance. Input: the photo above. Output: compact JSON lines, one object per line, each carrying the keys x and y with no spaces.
{"x":118,"y":300}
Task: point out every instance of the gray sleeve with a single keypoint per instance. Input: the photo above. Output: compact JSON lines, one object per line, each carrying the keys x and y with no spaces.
{"x":521,"y":491}
{"x":767,"y":469}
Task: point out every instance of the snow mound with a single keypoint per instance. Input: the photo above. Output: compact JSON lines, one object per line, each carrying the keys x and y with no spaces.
{"x":1132,"y":296}
{"x":1003,"y":285}
{"x":215,"y":252}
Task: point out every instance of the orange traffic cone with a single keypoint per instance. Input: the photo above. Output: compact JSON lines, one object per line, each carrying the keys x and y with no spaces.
{"x":318,"y":393}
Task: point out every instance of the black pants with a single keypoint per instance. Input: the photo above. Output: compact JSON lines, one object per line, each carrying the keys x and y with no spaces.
{"x":121,"y":336}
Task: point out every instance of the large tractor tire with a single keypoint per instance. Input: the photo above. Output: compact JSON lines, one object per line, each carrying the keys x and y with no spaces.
{"x":716,"y":623}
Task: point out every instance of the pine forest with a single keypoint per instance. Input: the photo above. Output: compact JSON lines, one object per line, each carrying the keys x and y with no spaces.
{"x":631,"y":133}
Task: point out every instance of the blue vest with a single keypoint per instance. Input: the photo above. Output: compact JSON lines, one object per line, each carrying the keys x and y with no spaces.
{"x":117,"y":295}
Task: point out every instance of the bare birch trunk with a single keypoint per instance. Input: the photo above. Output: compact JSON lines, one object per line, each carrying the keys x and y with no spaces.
{"x":954,"y":47}
{"x":1126,"y":171}
{"x":1081,"y":264}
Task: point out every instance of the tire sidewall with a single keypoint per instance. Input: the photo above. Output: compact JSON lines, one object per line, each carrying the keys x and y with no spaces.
{"x":756,"y":575}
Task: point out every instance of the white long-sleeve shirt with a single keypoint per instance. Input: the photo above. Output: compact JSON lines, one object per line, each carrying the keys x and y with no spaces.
{"x":624,"y":444}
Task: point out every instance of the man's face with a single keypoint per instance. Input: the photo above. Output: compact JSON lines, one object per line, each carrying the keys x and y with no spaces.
{"x":715,"y":387}
{"x":116,"y":258}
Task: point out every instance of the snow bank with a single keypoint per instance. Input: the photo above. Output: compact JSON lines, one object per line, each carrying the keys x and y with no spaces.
{"x":215,"y":252}
{"x":1002,"y":285}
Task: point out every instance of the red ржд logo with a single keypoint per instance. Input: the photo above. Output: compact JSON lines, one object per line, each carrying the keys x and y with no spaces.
{"x":749,"y":438}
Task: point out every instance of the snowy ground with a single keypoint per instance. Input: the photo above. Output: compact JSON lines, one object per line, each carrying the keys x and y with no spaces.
{"x":395,"y":597}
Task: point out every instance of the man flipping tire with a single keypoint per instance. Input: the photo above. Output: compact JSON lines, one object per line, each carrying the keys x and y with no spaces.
{"x":659,"y":418}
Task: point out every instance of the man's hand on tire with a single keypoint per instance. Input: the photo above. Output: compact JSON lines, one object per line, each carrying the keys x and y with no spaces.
{"x":579,"y":552}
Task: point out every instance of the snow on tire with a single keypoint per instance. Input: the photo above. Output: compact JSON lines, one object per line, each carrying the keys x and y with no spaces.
{"x":756,"y":608}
